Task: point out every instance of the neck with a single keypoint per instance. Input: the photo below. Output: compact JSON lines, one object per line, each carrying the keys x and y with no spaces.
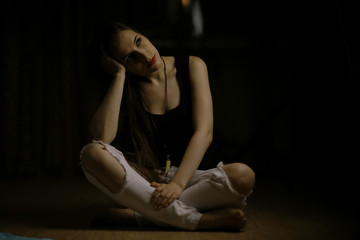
{"x":159,"y":76}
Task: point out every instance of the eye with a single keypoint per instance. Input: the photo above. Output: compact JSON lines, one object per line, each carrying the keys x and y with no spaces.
{"x":132,"y":56}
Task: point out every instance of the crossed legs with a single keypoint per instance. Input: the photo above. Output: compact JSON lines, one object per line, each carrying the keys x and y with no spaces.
{"x":100,"y":163}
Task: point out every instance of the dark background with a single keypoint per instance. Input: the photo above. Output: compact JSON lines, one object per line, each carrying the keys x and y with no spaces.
{"x":284,"y":77}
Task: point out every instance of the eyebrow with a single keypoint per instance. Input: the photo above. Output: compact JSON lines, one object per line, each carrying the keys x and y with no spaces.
{"x":135,"y":38}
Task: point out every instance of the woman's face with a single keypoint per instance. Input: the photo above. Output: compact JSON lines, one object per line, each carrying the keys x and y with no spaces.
{"x":136,"y":53}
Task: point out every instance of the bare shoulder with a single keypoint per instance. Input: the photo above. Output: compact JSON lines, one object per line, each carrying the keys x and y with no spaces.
{"x":195,"y":62}
{"x":197,"y":68}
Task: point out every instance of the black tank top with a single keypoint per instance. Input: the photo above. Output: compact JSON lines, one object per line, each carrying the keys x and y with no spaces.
{"x":174,"y":129}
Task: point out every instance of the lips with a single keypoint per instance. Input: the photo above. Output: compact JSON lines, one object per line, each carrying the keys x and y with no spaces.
{"x":152,"y":61}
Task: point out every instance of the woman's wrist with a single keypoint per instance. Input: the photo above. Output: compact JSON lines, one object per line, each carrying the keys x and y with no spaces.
{"x":179,"y":182}
{"x":119,"y":75}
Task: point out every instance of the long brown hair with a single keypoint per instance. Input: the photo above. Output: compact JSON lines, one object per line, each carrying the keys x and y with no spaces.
{"x":135,"y":133}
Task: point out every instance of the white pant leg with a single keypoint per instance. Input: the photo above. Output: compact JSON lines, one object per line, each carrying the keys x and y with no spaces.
{"x":136,"y":194}
{"x":211,"y":189}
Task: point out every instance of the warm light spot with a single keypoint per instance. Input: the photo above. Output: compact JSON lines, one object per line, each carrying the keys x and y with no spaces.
{"x":185,"y":3}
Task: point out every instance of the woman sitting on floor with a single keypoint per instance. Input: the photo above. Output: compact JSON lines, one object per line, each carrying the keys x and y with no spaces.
{"x":157,"y":115}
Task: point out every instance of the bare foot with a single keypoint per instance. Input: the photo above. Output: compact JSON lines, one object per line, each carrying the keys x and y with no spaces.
{"x":114,"y":217}
{"x":226,"y":219}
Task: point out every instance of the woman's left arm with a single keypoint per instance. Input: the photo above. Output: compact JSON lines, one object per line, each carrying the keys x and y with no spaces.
{"x":202,"y":114}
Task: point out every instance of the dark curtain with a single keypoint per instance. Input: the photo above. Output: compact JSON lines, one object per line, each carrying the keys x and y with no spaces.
{"x":43,"y":90}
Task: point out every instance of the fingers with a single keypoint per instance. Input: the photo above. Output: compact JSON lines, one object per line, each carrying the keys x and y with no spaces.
{"x":163,"y":201}
{"x":156,"y":192}
{"x":166,"y":201}
{"x":106,"y":57}
{"x":162,"y":196}
{"x":155,"y":184}
{"x":110,"y":64}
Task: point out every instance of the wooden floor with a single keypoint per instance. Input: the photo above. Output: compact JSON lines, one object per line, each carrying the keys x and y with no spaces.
{"x":62,"y":209}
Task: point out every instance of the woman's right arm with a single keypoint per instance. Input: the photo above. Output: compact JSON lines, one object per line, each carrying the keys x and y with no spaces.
{"x":104,"y":124}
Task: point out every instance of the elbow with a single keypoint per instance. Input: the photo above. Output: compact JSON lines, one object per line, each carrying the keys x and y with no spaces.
{"x":203,"y":136}
{"x":206,"y":136}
